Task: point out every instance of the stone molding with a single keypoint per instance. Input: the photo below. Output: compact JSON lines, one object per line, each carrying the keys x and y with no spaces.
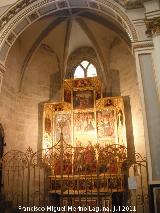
{"x":25,"y":8}
{"x":133,"y":4}
{"x":153,"y":26}
{"x":2,"y":71}
{"x":31,"y":5}
{"x":142,"y":45}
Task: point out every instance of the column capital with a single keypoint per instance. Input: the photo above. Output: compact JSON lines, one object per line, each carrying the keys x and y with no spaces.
{"x":153,"y":26}
{"x":142,"y":45}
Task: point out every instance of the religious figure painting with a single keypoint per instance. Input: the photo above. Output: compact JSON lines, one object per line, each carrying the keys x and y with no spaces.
{"x":108,"y":102}
{"x":67,"y":96}
{"x":98,"y":95}
{"x":80,"y":83}
{"x":66,"y":128}
{"x":111,"y":120}
{"x":106,"y":123}
{"x":48,"y":124}
{"x":120,"y":125}
{"x":83,"y":99}
{"x":48,"y":128}
{"x":84,"y":128}
{"x":85,"y":160}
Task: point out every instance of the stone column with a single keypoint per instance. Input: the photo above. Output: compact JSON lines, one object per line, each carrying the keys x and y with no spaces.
{"x":2,"y":71}
{"x":153,"y":30}
{"x":150,"y":106}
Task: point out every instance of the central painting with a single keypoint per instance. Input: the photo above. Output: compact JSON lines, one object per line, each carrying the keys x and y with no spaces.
{"x":84,"y":128}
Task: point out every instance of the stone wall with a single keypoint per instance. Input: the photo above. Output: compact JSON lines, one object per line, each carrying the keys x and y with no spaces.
{"x":122,"y":60}
{"x":19,"y":110}
{"x":35,"y":90}
{"x":8,"y":96}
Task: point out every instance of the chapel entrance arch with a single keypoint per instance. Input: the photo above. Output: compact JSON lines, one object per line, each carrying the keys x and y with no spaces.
{"x":24,"y":13}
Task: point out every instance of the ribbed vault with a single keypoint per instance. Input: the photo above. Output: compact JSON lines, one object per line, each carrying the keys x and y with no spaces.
{"x":24,"y":13}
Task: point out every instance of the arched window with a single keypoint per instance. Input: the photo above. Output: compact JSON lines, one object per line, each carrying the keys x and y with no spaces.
{"x":85,"y":69}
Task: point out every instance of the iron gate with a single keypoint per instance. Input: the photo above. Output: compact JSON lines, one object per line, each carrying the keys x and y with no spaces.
{"x":65,"y":176}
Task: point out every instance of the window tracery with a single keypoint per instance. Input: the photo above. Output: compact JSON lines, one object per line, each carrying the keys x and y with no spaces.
{"x":85,"y":69}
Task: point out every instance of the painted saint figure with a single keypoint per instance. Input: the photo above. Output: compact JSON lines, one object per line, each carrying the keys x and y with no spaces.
{"x":120,"y":126}
{"x":48,"y":124}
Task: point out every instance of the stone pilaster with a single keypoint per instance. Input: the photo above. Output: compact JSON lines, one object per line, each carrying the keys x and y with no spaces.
{"x":150,"y":106}
{"x":153,"y":30}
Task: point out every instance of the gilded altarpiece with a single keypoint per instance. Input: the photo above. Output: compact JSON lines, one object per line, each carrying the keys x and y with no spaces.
{"x":89,"y":117}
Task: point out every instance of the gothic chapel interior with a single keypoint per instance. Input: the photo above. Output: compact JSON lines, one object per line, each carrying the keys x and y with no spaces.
{"x":80,"y":105}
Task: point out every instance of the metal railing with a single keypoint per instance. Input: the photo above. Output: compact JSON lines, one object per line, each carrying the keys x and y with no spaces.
{"x":92,"y":173}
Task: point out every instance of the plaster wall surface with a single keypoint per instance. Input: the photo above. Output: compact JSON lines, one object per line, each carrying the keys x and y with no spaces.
{"x":29,"y":36}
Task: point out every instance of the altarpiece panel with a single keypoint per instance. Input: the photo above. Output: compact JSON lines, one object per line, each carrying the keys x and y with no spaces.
{"x":89,"y":118}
